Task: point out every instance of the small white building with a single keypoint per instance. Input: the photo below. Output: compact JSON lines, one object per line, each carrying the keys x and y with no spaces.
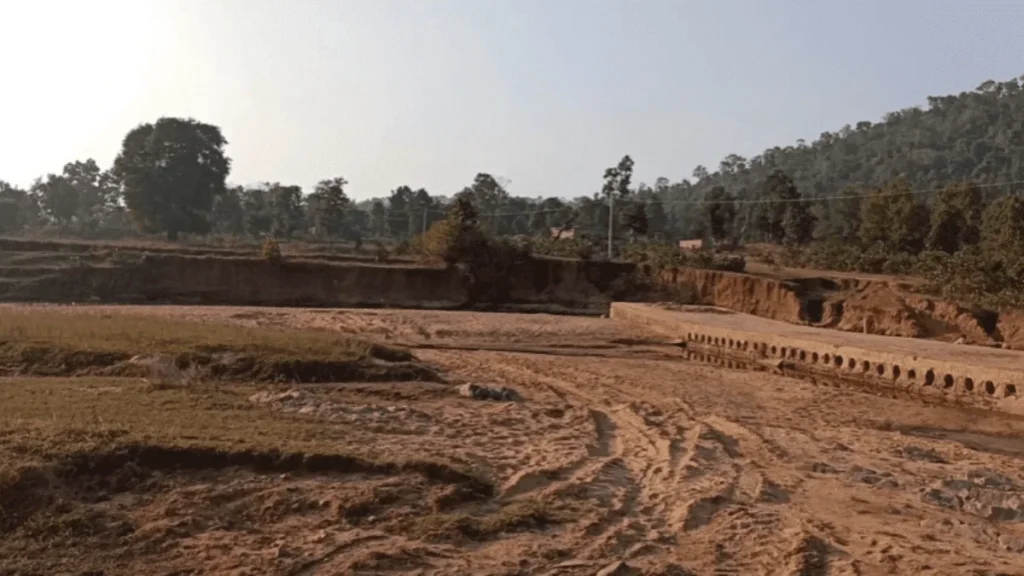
{"x":691,"y":244}
{"x":565,"y":234}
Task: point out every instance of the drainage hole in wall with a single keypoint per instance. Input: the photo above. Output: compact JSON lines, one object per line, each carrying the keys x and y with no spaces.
{"x":990,"y":388}
{"x":1009,"y":390}
{"x":948,"y":381}
{"x":803,"y":356}
{"x":880,"y":369}
{"x":912,"y":374}
{"x":838,"y":361}
{"x":826,"y":359}
{"x":896,"y":371}
{"x":929,"y":377}
{"x":865,"y":366}
{"x":814,"y":357}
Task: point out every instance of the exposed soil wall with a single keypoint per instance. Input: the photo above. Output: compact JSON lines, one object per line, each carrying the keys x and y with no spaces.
{"x":765,"y":297}
{"x":183,"y":279}
{"x":853,"y":305}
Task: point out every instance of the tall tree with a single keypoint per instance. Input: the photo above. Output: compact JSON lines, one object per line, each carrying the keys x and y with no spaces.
{"x":171,"y":171}
{"x":259,"y":218}
{"x":398,"y":211}
{"x":97,"y":191}
{"x":893,"y":218}
{"x":956,"y":218}
{"x":798,"y":223}
{"x":332,"y":203}
{"x":228,"y":216}
{"x":617,"y":187}
{"x":635,"y":220}
{"x":286,"y":209}
{"x":379,"y":214}
{"x":839,"y":218}
{"x":419,"y":212}
{"x":18,"y":209}
{"x":779,"y":193}
{"x":1003,"y":226}
{"x":58,"y":198}
{"x":657,"y":218}
{"x":719,"y":214}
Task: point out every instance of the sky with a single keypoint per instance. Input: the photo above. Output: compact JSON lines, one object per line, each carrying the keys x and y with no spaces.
{"x":427,"y":93}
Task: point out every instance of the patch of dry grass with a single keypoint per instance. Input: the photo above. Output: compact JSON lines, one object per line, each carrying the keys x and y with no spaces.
{"x":68,"y":342}
{"x":133,"y":334}
{"x":46,"y":418}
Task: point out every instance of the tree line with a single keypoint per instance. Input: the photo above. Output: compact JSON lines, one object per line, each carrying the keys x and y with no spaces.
{"x":170,"y":178}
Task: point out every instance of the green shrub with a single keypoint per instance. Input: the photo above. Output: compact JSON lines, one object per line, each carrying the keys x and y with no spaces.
{"x":271,"y":250}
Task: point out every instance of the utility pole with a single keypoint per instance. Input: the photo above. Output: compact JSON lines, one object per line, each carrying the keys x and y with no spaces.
{"x":611,"y":221}
{"x":425,"y":221}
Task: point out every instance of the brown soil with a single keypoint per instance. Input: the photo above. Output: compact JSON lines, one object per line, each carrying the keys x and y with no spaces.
{"x":624,"y":456}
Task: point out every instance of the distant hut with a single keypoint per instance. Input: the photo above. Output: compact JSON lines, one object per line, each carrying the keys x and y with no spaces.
{"x":696,"y":244}
{"x":560,"y":234}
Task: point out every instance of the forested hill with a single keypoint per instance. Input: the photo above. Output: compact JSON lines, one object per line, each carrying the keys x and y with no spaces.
{"x":972,"y":136}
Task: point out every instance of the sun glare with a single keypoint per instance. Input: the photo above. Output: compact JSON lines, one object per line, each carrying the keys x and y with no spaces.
{"x":69,"y":68}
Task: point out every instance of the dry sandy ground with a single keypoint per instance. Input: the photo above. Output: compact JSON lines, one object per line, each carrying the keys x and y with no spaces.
{"x":662,"y":465}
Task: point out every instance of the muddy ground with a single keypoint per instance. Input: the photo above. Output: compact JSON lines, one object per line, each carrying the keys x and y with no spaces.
{"x":623,"y":457}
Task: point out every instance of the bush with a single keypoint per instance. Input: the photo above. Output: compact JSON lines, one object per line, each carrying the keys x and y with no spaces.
{"x":271,"y":251}
{"x":381,"y":253}
{"x":452,"y":242}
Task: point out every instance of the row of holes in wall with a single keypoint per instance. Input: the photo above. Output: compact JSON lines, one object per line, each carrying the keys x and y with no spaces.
{"x":838,"y":362}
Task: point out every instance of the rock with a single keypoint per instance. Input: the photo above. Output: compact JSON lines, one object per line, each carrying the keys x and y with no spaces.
{"x":943,"y":499}
{"x":477,"y":392}
{"x":1012,"y":544}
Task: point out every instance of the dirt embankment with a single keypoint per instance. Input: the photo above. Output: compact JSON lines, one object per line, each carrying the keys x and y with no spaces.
{"x":855,"y":305}
{"x":186,"y":279}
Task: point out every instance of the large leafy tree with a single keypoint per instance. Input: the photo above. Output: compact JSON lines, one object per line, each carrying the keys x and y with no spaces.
{"x":58,"y":199}
{"x":839,"y":218}
{"x":956,"y":218}
{"x":98,"y":191}
{"x":398,"y":211}
{"x":419,"y":212}
{"x":18,"y":209}
{"x":1003,"y":226}
{"x":171,"y":172}
{"x":331,"y":206}
{"x":256,"y":207}
{"x":286,"y":209}
{"x":719,"y":213}
{"x":657,"y":217}
{"x":228,"y":215}
{"x":798,"y":222}
{"x":893,"y":218}
{"x":780,"y":195}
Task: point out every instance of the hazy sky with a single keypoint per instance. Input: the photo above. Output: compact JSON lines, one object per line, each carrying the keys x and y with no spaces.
{"x":428,"y":92}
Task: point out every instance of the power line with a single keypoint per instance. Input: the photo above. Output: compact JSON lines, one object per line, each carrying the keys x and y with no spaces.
{"x":876,"y":194}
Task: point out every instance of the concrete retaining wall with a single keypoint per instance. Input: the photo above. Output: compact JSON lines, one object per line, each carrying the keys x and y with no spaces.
{"x":965,"y":374}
